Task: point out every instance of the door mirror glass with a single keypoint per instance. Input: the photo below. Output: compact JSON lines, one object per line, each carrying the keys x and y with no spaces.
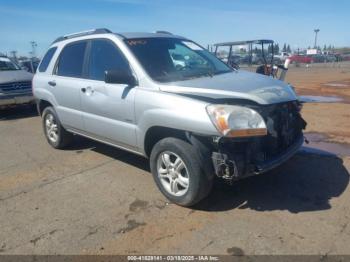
{"x":120,"y":77}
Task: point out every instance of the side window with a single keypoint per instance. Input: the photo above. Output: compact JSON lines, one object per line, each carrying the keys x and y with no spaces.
{"x":71,"y":60}
{"x":46,"y":59}
{"x":104,"y":55}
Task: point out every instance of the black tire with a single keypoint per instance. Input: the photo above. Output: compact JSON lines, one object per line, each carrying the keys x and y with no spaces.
{"x":64,"y":138}
{"x":200,"y":183}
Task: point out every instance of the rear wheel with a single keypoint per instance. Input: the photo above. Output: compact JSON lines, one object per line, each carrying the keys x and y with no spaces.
{"x":178,"y":172}
{"x":55,"y":134}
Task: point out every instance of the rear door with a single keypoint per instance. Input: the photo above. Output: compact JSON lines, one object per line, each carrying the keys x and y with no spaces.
{"x":67,"y":82}
{"x":108,"y":109}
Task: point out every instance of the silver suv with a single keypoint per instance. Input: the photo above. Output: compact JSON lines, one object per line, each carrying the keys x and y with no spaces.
{"x":193,"y":119}
{"x":15,"y":84}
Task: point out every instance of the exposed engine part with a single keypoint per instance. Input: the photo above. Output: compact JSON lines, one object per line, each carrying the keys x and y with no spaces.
{"x":224,"y":167}
{"x":216,"y":139}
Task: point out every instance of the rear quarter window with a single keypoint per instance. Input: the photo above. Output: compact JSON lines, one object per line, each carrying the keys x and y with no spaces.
{"x":46,"y":59}
{"x":71,"y":60}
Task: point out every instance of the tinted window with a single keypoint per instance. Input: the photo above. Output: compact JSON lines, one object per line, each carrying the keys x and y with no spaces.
{"x":47,"y":58}
{"x":71,"y":60}
{"x":104,"y":56}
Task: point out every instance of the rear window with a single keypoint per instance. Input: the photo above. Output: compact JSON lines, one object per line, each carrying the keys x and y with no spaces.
{"x":71,"y":60}
{"x":47,"y":58}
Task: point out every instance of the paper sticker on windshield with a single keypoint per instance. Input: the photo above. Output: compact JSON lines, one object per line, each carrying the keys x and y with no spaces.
{"x":4,"y":59}
{"x":137,"y":42}
{"x":192,"y":45}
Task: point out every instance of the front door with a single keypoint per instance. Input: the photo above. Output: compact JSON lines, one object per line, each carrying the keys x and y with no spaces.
{"x":108,"y":109}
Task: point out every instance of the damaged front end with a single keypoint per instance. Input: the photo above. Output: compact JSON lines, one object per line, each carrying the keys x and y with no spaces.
{"x":236,"y":158}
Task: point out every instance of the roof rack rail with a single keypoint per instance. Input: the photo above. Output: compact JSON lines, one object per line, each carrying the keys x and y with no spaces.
{"x":83,"y":33}
{"x":163,"y":32}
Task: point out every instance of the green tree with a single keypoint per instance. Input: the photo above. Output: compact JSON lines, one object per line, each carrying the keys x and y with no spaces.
{"x":284,"y":48}
{"x":277,"y":49}
{"x":289,"y":50}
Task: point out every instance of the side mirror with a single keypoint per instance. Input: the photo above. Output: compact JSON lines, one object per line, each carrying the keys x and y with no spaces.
{"x":120,"y":77}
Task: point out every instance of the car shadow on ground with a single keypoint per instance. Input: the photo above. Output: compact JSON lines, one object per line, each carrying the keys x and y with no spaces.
{"x":306,"y":182}
{"x":17,"y":112}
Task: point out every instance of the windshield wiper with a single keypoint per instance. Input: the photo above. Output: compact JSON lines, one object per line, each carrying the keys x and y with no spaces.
{"x":222,"y":72}
{"x":211,"y":73}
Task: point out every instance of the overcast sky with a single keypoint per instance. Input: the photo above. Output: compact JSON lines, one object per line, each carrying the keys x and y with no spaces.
{"x":205,"y":21}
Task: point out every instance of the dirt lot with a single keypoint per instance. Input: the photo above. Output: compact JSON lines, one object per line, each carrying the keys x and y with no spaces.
{"x":94,"y":199}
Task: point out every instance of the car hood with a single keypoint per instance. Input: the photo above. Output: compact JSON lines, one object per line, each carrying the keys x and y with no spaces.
{"x":238,"y":84}
{"x":15,"y":76}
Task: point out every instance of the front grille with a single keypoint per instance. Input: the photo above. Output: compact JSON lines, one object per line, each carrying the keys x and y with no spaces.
{"x":284,"y":125}
{"x":16,"y":86}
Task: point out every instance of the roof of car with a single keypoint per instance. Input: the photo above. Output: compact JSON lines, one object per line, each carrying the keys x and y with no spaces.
{"x":126,"y":35}
{"x":259,"y":42}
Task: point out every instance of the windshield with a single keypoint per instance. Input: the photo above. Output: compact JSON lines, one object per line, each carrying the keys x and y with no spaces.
{"x":171,"y":59}
{"x":7,"y":65}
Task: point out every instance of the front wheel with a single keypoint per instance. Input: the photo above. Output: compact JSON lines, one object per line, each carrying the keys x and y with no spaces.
{"x":178,"y":172}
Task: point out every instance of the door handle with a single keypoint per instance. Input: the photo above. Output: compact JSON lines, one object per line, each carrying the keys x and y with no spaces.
{"x":52,"y":83}
{"x":88,"y":90}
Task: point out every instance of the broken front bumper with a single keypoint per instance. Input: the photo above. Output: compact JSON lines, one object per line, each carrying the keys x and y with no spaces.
{"x":279,"y":159}
{"x":234,"y":166}
{"x":236,"y":158}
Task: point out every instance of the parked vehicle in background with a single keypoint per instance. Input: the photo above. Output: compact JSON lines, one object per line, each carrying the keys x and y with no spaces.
{"x":318,"y":58}
{"x":237,"y":60}
{"x":301,"y":59}
{"x":252,"y":52}
{"x":345,"y":57}
{"x":330,"y":58}
{"x":283,"y":56}
{"x":29,"y":65}
{"x":15,"y":83}
{"x":193,"y":122}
